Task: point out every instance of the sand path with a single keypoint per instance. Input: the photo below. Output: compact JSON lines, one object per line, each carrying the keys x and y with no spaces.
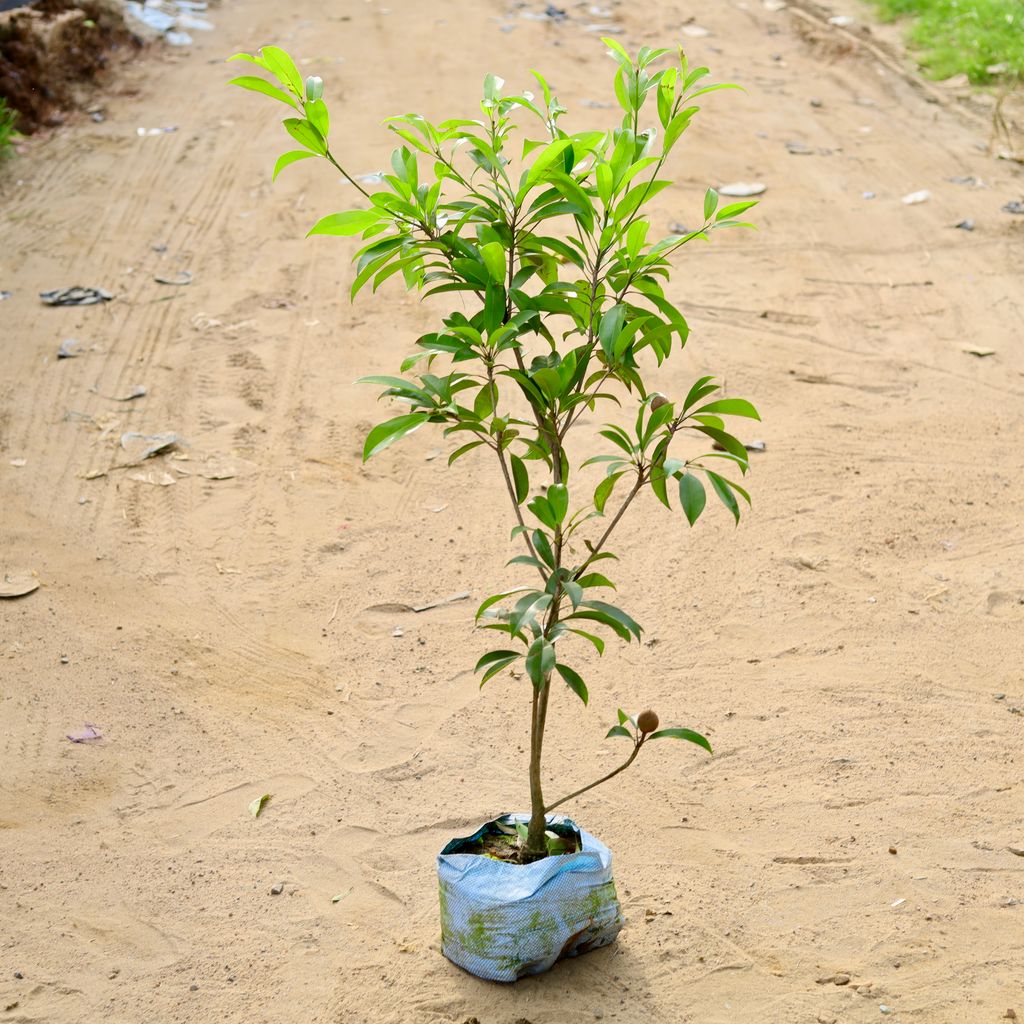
{"x":845,"y":649}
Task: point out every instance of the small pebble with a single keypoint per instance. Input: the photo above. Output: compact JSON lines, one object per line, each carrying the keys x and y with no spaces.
{"x":65,"y":660}
{"x":816,"y":102}
{"x":19,"y":975}
{"x":276,"y":890}
{"x":892,"y":850}
{"x":884,"y":1009}
{"x":842,"y":979}
{"x":965,"y":225}
{"x":193,"y":988}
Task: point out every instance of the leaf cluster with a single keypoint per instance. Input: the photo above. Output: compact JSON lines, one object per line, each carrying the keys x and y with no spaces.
{"x":542,"y":235}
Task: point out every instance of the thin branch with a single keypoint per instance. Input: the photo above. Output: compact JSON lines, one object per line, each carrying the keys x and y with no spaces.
{"x":519,"y":512}
{"x":604,"y":778}
{"x":596,"y":549}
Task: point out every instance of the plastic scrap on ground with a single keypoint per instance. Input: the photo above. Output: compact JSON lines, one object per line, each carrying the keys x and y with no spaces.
{"x":86,"y":734}
{"x":183,"y":277}
{"x":170,"y":21}
{"x":18,"y":583}
{"x":75,"y":296}
{"x":742,"y":189}
{"x":140,"y":447}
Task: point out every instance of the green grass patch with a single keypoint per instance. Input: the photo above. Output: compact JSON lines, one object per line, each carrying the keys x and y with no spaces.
{"x":983,"y":39}
{"x":7,"y":132}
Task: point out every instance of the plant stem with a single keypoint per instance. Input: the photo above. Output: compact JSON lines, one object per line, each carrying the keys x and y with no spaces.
{"x":536,"y":847}
{"x":604,"y":778}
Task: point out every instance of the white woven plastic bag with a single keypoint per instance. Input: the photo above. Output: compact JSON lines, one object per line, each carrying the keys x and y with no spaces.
{"x":502,"y":921}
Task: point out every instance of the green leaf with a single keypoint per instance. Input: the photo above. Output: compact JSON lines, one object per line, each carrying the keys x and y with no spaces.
{"x":495,"y":598}
{"x":520,"y":477}
{"x":682,"y":734}
{"x":256,"y":807}
{"x":494,"y":662}
{"x":546,"y":158}
{"x":255,"y":84}
{"x":526,"y":610}
{"x":316,"y":112}
{"x":605,"y":620}
{"x":493,"y":255}
{"x":305,"y":135}
{"x":280,"y":64}
{"x":542,"y":509}
{"x":388,"y":432}
{"x":540,"y":660}
{"x":619,"y":730}
{"x":543,"y":548}
{"x":459,"y":452}
{"x":724,"y":491}
{"x":549,"y":381}
{"x":258,"y":61}
{"x":710,"y":203}
{"x":731,"y":407}
{"x":574,"y":681}
{"x":558,"y":498}
{"x":492,"y":656}
{"x":595,"y":640}
{"x":611,"y":324}
{"x":603,"y":491}
{"x":595,"y":579}
{"x":351,"y":222}
{"x":692,"y":497}
{"x":616,"y":614}
{"x":733,"y":209}
{"x":617,"y":51}
{"x":291,"y":157}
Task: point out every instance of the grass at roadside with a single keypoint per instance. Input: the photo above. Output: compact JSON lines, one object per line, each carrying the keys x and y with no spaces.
{"x":7,"y":132}
{"x":983,"y":39}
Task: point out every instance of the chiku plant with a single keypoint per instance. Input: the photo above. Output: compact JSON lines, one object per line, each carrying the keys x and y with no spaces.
{"x":550,"y":324}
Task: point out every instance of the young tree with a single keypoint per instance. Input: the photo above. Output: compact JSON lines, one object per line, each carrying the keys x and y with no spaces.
{"x":563,"y":295}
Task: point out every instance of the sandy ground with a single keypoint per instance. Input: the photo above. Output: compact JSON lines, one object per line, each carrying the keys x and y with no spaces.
{"x":854,"y":650}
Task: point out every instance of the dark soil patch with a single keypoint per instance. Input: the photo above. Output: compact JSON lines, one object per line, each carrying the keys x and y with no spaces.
{"x":498,"y":846}
{"x":50,"y":50}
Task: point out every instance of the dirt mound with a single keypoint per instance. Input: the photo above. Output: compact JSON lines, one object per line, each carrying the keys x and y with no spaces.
{"x":50,"y":50}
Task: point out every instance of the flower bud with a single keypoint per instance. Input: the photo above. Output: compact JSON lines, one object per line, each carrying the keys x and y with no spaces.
{"x":314,"y":88}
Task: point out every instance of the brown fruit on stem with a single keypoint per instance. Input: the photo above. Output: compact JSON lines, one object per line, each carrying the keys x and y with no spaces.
{"x":658,"y":401}
{"x":647,"y":721}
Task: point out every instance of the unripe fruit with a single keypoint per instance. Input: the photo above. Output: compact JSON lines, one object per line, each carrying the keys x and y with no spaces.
{"x":647,"y":721}
{"x":658,"y":401}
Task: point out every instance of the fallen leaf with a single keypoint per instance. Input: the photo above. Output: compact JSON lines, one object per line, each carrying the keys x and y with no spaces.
{"x":256,"y":807}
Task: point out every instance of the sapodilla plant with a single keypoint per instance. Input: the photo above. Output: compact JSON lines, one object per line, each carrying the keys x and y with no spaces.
{"x":544,"y":241}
